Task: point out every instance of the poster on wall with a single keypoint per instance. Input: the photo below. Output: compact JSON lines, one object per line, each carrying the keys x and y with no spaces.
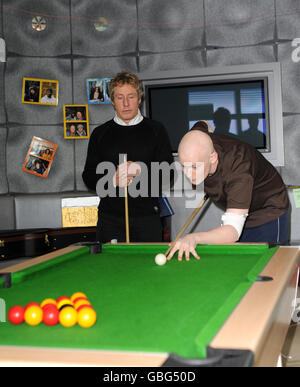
{"x":98,"y":90}
{"x":76,"y":122}
{"x":39,"y":157}
{"x":40,"y":91}
{"x":80,"y":211}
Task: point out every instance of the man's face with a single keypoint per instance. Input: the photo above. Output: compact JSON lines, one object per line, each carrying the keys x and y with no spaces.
{"x":194,"y":171}
{"x":126,"y":102}
{"x":195,"y":167}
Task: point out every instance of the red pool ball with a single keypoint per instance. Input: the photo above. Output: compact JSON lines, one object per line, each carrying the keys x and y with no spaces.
{"x":62,"y":298}
{"x":78,"y":299}
{"x":50,"y":306}
{"x":84,"y":306}
{"x":77,"y":295}
{"x":47,"y":301}
{"x":50,"y":315}
{"x":16,"y":315}
{"x":33,"y":303}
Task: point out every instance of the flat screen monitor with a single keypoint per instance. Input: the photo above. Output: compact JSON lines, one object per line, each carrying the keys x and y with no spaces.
{"x":240,"y":101}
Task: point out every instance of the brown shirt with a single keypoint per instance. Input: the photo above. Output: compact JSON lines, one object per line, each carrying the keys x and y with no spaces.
{"x":245,"y":179}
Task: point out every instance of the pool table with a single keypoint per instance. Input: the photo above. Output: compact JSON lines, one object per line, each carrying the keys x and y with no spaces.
{"x":231,"y":307}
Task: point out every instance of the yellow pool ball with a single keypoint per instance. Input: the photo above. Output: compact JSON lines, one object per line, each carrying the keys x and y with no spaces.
{"x":33,"y":315}
{"x":81,"y":302}
{"x":63,"y":302}
{"x":77,"y":295}
{"x":86,"y":317}
{"x":47,"y":301}
{"x":68,"y":317}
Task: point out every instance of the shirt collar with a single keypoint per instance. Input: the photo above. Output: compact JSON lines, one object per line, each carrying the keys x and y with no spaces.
{"x":136,"y":120}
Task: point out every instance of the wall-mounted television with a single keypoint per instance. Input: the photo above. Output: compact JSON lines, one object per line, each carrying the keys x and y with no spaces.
{"x":241,"y":101}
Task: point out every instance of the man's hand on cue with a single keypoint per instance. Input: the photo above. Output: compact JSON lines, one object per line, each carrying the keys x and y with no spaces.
{"x":133,"y":169}
{"x":184,"y":246}
{"x":125,"y":173}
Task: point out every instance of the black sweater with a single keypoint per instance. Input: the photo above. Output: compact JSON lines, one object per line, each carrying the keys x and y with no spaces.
{"x":146,"y":142}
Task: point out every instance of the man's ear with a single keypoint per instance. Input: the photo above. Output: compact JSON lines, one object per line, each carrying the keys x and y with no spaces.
{"x":213,"y":157}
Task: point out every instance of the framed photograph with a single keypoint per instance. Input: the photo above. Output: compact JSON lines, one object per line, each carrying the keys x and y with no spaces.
{"x":98,"y":90}
{"x":76,"y":122}
{"x":39,"y":157}
{"x":40,"y":91}
{"x":49,"y":92}
{"x":31,"y":90}
{"x":76,"y":130}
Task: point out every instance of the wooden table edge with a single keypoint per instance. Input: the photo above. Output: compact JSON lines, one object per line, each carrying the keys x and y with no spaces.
{"x":42,"y":258}
{"x":267,"y":297}
{"x":40,"y":356}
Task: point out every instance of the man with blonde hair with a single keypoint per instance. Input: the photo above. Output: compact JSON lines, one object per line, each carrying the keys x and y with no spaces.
{"x":142,"y":140}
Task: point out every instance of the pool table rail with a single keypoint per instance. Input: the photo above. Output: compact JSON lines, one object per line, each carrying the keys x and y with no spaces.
{"x":261,"y":320}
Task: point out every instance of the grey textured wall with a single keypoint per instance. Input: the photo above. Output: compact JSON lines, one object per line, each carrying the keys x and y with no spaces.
{"x":141,"y":36}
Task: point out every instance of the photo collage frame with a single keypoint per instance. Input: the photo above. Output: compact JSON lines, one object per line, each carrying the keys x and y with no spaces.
{"x":39,"y":157}
{"x":76,"y":122}
{"x":40,"y":91}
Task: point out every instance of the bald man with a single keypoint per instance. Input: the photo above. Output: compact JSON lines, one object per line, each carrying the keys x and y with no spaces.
{"x":239,"y":179}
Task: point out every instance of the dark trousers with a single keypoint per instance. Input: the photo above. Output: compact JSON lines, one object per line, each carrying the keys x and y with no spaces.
{"x":141,"y":229}
{"x":275,"y":231}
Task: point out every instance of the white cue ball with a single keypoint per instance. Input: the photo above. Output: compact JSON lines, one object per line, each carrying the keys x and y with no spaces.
{"x":160,"y":259}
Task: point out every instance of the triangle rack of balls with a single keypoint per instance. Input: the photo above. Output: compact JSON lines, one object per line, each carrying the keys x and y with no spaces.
{"x":67,"y":311}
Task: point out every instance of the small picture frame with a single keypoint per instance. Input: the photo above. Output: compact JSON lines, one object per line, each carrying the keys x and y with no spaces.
{"x":98,"y":91}
{"x":40,"y":91}
{"x":39,"y":157}
{"x":76,"y":122}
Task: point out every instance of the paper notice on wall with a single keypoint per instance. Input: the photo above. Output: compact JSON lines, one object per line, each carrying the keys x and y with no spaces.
{"x":2,"y":51}
{"x":80,"y":212}
{"x":296,"y":193}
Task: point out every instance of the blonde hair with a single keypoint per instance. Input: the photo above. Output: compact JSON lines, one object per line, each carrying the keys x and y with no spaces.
{"x":122,"y":78}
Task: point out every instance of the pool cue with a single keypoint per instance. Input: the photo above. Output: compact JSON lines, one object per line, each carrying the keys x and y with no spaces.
{"x":196,"y":210}
{"x":126,"y":209}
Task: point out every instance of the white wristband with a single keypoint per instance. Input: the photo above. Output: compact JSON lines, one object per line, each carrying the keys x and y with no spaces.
{"x":235,"y":220}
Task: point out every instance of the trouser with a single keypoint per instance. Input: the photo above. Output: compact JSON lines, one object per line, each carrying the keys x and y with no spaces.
{"x":141,"y":229}
{"x":276,"y":230}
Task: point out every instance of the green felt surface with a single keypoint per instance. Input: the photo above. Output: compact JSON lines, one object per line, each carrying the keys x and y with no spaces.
{"x":176,"y":308}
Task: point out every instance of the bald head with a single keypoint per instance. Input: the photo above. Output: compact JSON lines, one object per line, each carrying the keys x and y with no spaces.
{"x":196,"y":149}
{"x":195,"y":146}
